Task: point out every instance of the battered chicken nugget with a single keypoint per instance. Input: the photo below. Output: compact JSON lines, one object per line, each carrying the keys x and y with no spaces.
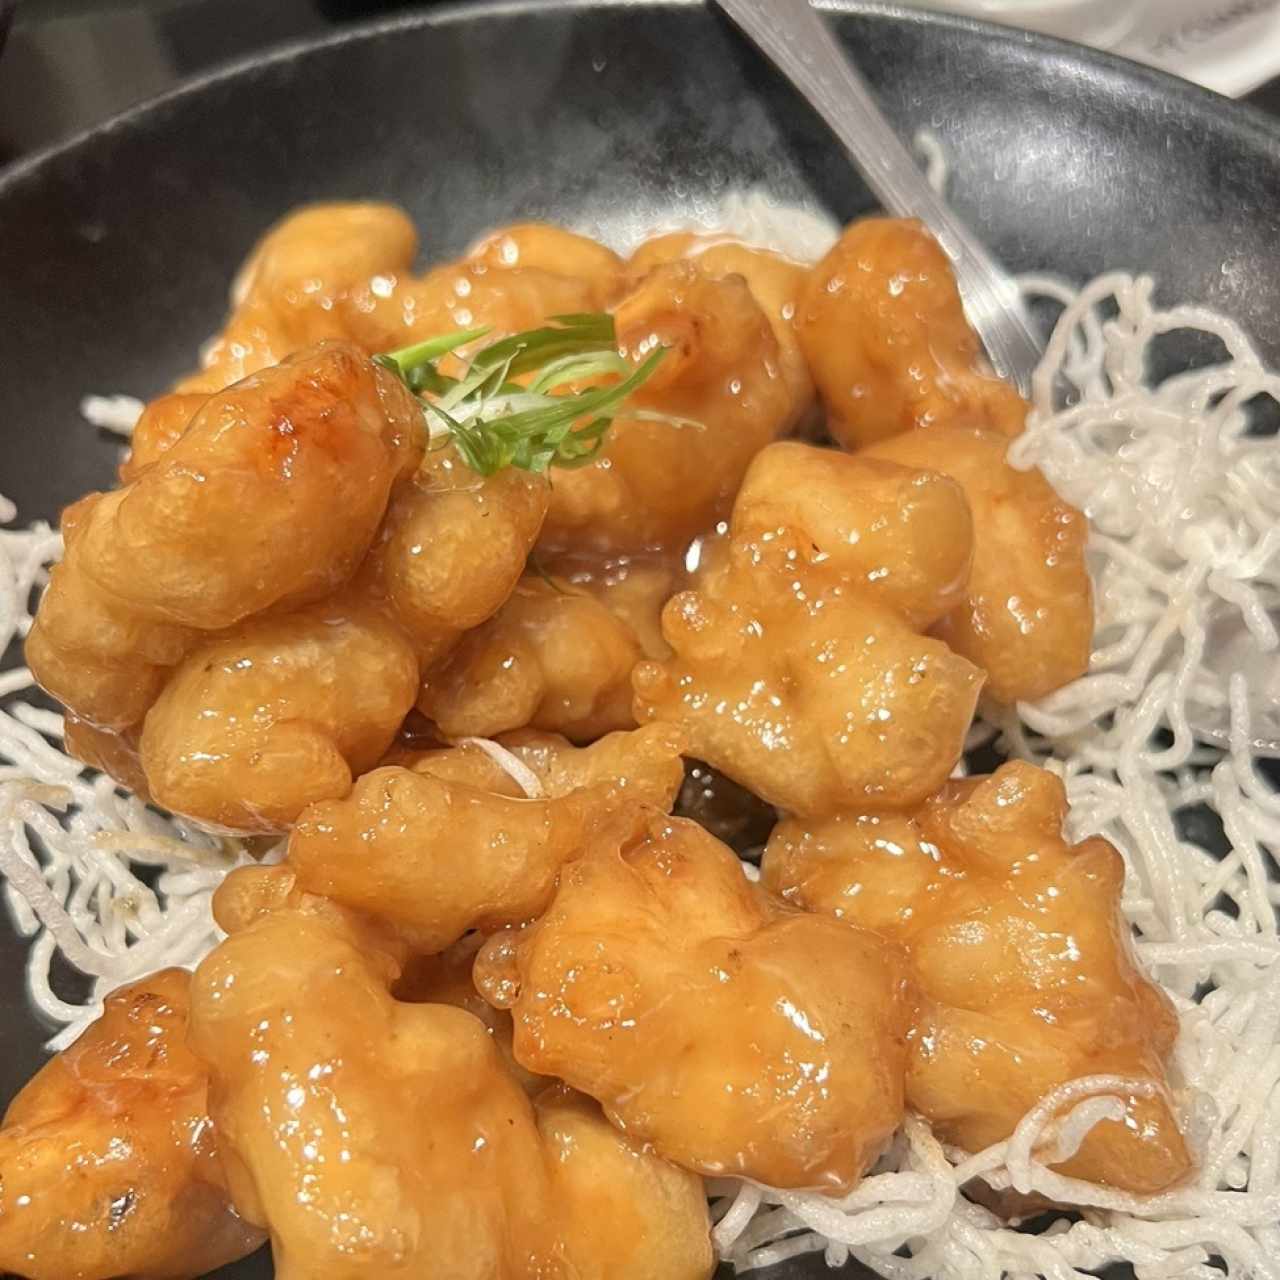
{"x":436,"y":858}
{"x":1020,"y":953}
{"x":775,"y":281}
{"x":342,"y":271}
{"x":376,"y":1139}
{"x":557,"y":656}
{"x":514,"y":279}
{"x":1027,"y":617}
{"x":631,"y":1215}
{"x":259,"y":722}
{"x":657,"y":484}
{"x":108,"y":1163}
{"x":735,"y":1036}
{"x":800,"y":670}
{"x":452,"y":547}
{"x":271,"y":497}
{"x":884,"y":331}
{"x":539,"y":246}
{"x":290,"y":291}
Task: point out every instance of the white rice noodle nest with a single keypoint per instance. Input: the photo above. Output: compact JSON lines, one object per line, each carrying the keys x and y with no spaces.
{"x":1185,"y":508}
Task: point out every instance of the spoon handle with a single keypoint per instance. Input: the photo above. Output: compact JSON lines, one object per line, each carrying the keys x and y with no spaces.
{"x":800,"y":44}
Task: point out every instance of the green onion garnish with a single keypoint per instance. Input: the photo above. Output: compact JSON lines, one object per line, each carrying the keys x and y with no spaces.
{"x":495,"y":422}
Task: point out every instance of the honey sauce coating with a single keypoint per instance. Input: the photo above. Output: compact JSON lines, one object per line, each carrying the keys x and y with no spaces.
{"x":884,"y":331}
{"x":289,"y":292}
{"x":632,"y":1215}
{"x":1021,"y":956}
{"x":735,"y":1036}
{"x":657,"y":484}
{"x":206,"y":536}
{"x":108,"y":1162}
{"x":242,"y":627}
{"x":513,"y":279}
{"x":272,"y":496}
{"x":436,"y":857}
{"x":375,"y":1138}
{"x":259,"y":722}
{"x":1027,"y":615}
{"x":776,"y":282}
{"x":344,"y":271}
{"x":558,"y":655}
{"x":452,"y":548}
{"x":800,"y":667}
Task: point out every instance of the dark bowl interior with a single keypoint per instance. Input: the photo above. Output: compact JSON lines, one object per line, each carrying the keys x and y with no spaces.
{"x":116,"y":250}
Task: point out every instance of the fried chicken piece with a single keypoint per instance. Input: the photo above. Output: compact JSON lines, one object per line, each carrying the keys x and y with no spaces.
{"x":557,"y":656}
{"x":800,"y":670}
{"x":776,"y":282}
{"x":113,"y":753}
{"x":882,"y":325}
{"x":342,"y":271}
{"x":376,"y":1138}
{"x":291,"y":290}
{"x":108,"y":1163}
{"x":271,"y":497}
{"x":539,"y":246}
{"x":514,"y":279}
{"x":452,"y":544}
{"x":446,"y":841}
{"x":1027,"y":617}
{"x":180,"y":627}
{"x":657,"y":484}
{"x":1021,"y":956}
{"x":735,"y":1036}
{"x":631,"y":1215}
{"x":452,"y":547}
{"x":259,"y":722}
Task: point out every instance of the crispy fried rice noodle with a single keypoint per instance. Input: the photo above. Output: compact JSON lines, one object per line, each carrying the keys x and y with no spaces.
{"x":1184,"y":504}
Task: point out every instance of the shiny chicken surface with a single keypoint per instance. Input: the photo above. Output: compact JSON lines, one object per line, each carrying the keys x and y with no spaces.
{"x":376,"y":1138}
{"x":800,"y":667}
{"x":214,"y":618}
{"x":558,"y":655}
{"x":883,"y":328}
{"x":1021,"y":957}
{"x":769,"y":1067}
{"x":776,"y":283}
{"x":437,"y":856}
{"x":1027,"y":615}
{"x":109,"y":1165}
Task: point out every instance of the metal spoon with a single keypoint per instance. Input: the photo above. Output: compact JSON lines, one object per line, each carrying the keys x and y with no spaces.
{"x":796,"y":39}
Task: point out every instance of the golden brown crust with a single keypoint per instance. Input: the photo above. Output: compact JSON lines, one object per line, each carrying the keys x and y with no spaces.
{"x":1021,"y":955}
{"x":885,"y":334}
{"x":799,"y":668}
{"x":770,"y":1066}
{"x":110,"y":1165}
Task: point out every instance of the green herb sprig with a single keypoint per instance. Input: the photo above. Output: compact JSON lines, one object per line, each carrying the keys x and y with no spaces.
{"x":496,"y":422}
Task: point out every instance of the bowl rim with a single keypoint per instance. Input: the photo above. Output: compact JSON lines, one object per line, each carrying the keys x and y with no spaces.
{"x":1257,"y":128}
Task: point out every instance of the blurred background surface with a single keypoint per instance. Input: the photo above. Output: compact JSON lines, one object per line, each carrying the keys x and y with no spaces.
{"x":68,"y":64}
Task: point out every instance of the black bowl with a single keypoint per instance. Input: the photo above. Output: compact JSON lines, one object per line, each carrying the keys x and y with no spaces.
{"x":116,"y":248}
